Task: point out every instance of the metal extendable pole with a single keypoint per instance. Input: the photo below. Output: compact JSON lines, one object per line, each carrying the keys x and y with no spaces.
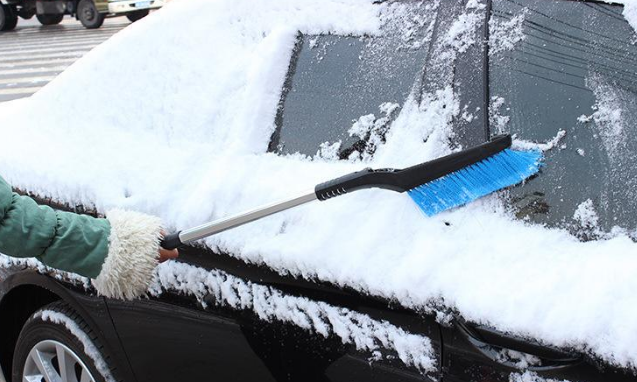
{"x":224,"y":224}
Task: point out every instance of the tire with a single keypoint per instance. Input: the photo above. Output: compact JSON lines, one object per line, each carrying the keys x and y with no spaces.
{"x":53,"y":331}
{"x":8,"y":18}
{"x":26,"y":13}
{"x":88,"y":15}
{"x":137,"y":15}
{"x":49,"y":19}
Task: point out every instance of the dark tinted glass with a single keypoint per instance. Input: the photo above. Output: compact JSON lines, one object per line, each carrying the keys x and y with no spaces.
{"x":336,"y":80}
{"x":567,"y":68}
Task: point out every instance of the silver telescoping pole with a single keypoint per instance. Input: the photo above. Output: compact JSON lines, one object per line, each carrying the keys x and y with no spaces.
{"x":221,"y":225}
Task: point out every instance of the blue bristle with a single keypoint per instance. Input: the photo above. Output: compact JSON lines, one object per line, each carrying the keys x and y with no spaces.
{"x":501,"y":170}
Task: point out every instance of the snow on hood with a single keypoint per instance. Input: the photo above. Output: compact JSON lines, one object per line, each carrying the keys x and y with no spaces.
{"x":172,"y":116}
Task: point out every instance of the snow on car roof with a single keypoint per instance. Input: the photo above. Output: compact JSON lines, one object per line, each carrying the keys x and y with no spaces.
{"x":172,"y":116}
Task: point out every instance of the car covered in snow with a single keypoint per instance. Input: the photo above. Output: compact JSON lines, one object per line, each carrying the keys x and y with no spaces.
{"x":533,"y":284}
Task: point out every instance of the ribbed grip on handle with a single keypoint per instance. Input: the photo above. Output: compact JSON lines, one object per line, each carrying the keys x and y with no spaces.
{"x":341,"y":185}
{"x":367,"y":178}
{"x":171,"y":241}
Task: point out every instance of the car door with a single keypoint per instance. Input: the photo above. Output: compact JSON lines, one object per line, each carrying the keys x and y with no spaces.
{"x":284,"y":329}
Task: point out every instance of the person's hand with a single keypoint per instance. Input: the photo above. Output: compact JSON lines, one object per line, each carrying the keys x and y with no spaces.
{"x":167,"y":254}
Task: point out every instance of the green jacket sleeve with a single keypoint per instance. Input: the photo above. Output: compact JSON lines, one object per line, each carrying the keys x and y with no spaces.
{"x":61,"y":240}
{"x":119,"y":253}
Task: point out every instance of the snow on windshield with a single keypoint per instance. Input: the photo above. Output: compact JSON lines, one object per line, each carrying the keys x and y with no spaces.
{"x":630,"y":11}
{"x":607,"y":114}
{"x":172,"y":116}
{"x":503,"y":35}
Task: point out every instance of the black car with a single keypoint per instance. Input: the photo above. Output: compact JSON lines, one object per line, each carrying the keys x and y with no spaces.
{"x":221,"y":319}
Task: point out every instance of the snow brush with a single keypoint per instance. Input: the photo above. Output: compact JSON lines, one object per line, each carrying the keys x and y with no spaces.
{"x":435,"y":186}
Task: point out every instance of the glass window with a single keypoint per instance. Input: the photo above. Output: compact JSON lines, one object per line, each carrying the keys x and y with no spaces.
{"x":343,"y":91}
{"x":565,"y":73}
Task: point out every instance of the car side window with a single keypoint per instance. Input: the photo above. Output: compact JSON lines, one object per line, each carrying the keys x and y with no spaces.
{"x":565,"y":73}
{"x":342,"y":92}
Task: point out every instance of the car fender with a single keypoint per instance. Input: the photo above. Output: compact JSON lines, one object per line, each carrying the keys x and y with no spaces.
{"x":91,"y":308}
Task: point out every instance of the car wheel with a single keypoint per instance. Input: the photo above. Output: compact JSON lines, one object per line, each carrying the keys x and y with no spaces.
{"x":137,"y":15}
{"x":26,"y":13}
{"x":8,"y":18}
{"x":55,"y":344}
{"x":88,"y":14}
{"x":49,"y":19}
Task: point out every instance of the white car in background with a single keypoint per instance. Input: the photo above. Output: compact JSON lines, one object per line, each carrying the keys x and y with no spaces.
{"x":91,"y":13}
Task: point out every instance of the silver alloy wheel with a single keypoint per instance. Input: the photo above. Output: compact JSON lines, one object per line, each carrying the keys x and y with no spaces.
{"x":52,"y":361}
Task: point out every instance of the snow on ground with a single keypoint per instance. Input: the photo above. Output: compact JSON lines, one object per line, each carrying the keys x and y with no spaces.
{"x":172,"y":116}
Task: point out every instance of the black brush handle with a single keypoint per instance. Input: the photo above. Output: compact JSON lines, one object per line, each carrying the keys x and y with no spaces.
{"x":171,"y":241}
{"x":366,"y":178}
{"x":420,"y":174}
{"x":411,"y":177}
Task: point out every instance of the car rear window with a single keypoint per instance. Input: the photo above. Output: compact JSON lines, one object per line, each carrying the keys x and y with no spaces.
{"x":565,"y":73}
{"x":339,"y":88}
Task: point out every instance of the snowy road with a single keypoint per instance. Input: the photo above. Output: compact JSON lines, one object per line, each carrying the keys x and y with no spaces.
{"x":33,"y":55}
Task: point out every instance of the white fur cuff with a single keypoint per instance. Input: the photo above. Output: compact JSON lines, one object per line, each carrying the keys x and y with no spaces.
{"x":133,"y":251}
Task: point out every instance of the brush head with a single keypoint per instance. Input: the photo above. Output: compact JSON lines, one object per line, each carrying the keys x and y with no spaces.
{"x":504,"y":169}
{"x":446,"y":182}
{"x":411,"y":177}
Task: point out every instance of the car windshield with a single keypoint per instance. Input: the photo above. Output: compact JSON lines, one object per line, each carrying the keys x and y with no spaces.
{"x":565,"y":73}
{"x":340,"y":88}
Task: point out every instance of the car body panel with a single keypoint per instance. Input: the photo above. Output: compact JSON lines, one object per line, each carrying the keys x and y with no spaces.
{"x":90,"y":307}
{"x":127,"y":6}
{"x":225,"y":340}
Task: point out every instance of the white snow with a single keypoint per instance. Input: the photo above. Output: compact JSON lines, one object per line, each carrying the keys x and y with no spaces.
{"x":607,"y":114}
{"x":504,"y":35}
{"x":362,"y":126}
{"x":518,"y":359}
{"x":630,"y":11}
{"x":268,"y":303}
{"x":497,"y":121}
{"x":9,"y":262}
{"x":328,"y":151}
{"x":408,"y":23}
{"x":89,"y":348}
{"x":586,"y":215}
{"x":584,"y":118}
{"x":172,"y":116}
{"x":372,"y":129}
{"x":530,"y":376}
{"x":520,"y":144}
{"x":463,"y":32}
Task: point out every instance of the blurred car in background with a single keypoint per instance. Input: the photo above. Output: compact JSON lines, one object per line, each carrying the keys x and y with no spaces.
{"x":91,"y":13}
